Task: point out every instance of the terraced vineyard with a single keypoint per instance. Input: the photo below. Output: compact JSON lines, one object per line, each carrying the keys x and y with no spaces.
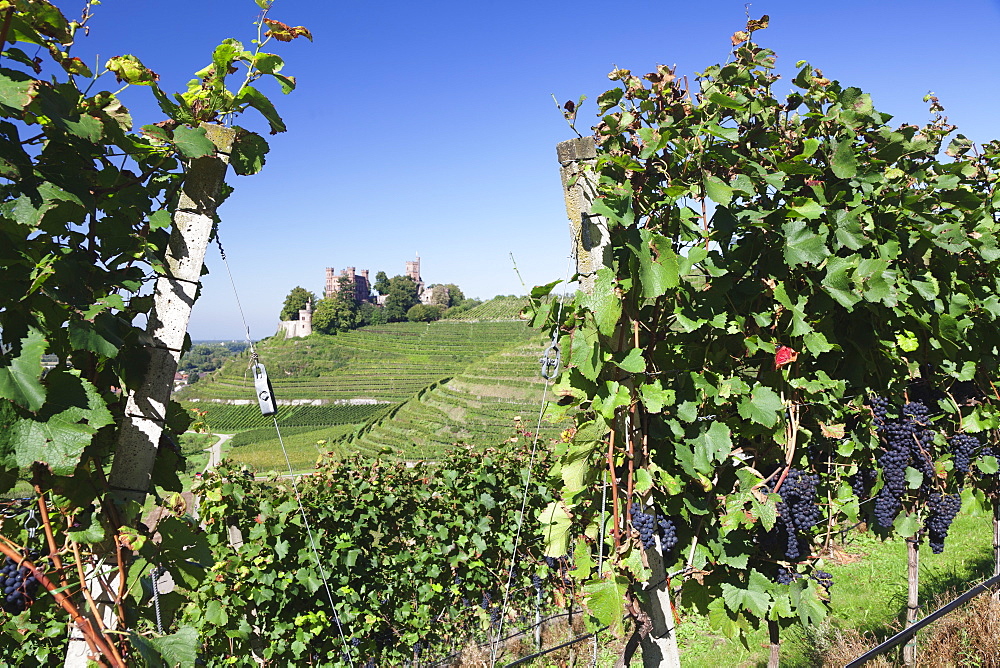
{"x":225,"y":418}
{"x":498,"y":308}
{"x":487,"y":404}
{"x":388,"y":363}
{"x":435,"y":383}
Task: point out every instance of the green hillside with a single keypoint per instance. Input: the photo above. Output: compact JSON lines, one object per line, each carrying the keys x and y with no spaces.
{"x":388,"y":363}
{"x":498,"y":308}
{"x":479,"y":407}
{"x":435,"y":384}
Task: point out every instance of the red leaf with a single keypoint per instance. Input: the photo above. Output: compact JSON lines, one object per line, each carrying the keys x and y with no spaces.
{"x":784,"y":355}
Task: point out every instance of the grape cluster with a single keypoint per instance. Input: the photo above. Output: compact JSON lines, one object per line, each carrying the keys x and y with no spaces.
{"x":648,"y":527}
{"x":943,"y":509}
{"x":897,"y":435}
{"x":863,"y":481}
{"x":645,"y":524}
{"x":668,"y":534}
{"x":19,"y":586}
{"x":824,"y":579}
{"x":786,"y":576}
{"x":797,"y":511}
{"x":963,"y":450}
{"x":536,"y":582}
{"x":880,"y":408}
{"x":918,"y":412}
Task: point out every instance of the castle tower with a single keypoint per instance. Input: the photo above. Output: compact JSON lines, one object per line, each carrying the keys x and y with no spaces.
{"x":413,"y":271}
{"x":331,"y":283}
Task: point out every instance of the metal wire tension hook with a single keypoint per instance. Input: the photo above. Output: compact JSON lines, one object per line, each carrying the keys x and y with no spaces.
{"x":31,"y":523}
{"x":550,"y":361}
{"x":262,"y":385}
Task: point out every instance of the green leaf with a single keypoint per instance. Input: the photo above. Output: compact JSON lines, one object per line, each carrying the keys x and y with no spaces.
{"x":66,"y":425}
{"x":252,"y":97}
{"x":843,"y":162}
{"x":805,"y":207}
{"x":605,"y":601}
{"x":130,"y":69}
{"x":660,"y":273}
{"x":20,"y":377}
{"x":215,"y":613}
{"x":248,"y":153}
{"x":654,"y":397}
{"x":810,"y":608}
{"x":988,"y":464}
{"x":802,"y":245}
{"x":906,"y":524}
{"x":712,"y":445}
{"x":101,"y":336}
{"x":180,"y":649}
{"x":718,"y":190}
{"x":914,"y":478}
{"x":604,"y":301}
{"x":17,"y":89}
{"x":633,"y":362}
{"x":222,"y":59}
{"x":738,"y":600}
{"x":193,"y":142}
{"x":643,"y":481}
{"x":555,"y":520}
{"x":91,"y":532}
{"x":907,"y":341}
{"x":763,"y":406}
{"x":726,"y":101}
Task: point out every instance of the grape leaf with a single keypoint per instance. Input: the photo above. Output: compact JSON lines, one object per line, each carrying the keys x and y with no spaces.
{"x":843,"y":162}
{"x":20,"y":377}
{"x":193,"y":142}
{"x":178,"y":649}
{"x":605,"y":601}
{"x":763,"y":406}
{"x":65,"y":426}
{"x":555,"y":520}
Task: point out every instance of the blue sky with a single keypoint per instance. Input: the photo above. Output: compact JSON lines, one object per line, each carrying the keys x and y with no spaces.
{"x":429,"y":127}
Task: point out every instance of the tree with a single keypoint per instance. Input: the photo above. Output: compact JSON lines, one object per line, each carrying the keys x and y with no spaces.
{"x":401,"y":295}
{"x":295,"y":302}
{"x":371,"y":314}
{"x":381,"y":283}
{"x":455,"y":295}
{"x":335,"y":315}
{"x":424,"y":313}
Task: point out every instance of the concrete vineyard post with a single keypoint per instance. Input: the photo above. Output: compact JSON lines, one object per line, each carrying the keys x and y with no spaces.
{"x":592,"y":250}
{"x":146,"y":407}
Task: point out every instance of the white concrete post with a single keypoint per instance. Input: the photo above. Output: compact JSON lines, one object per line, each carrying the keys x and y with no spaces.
{"x":146,"y":407}
{"x":592,"y":249}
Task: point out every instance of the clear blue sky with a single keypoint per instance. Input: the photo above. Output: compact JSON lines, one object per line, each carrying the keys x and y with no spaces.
{"x":429,"y":126}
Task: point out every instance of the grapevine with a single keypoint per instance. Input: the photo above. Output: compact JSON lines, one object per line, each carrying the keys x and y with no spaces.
{"x":785,"y":313}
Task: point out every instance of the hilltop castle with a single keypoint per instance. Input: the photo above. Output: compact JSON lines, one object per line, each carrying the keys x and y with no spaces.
{"x":362,"y":288}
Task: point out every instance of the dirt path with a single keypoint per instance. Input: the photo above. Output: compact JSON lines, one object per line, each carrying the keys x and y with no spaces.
{"x":215,"y":451}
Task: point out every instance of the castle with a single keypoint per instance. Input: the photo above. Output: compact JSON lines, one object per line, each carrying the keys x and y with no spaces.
{"x":362,"y":287}
{"x":362,"y":293}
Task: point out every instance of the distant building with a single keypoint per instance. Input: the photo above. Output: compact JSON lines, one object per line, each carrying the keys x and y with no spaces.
{"x":362,"y":287}
{"x":362,"y":293}
{"x":413,"y":271}
{"x":301,"y":327}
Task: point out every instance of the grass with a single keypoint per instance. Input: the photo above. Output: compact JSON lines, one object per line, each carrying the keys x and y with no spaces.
{"x":868,"y":595}
{"x":302,"y":448}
